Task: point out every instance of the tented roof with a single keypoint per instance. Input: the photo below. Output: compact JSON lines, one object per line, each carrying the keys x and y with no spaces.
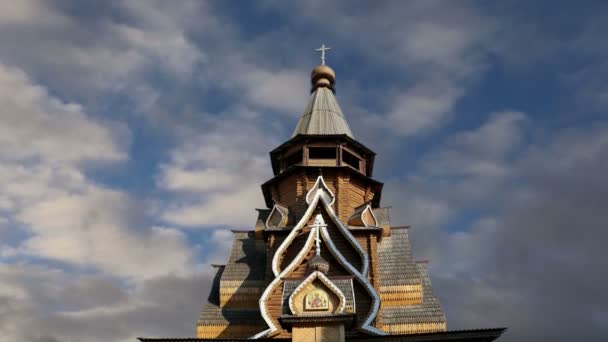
{"x":323,"y":116}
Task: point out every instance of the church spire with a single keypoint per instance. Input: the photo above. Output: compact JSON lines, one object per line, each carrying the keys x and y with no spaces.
{"x":323,"y":115}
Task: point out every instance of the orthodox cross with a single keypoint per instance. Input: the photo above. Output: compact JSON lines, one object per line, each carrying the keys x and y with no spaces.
{"x":317,"y":226}
{"x":323,"y":48}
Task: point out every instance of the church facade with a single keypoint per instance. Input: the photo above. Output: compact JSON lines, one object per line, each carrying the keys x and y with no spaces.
{"x":324,"y":262}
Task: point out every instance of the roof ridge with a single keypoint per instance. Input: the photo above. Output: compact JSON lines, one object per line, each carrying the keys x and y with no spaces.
{"x":323,"y":116}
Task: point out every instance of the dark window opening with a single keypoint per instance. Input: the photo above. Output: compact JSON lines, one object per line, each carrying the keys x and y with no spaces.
{"x":350,"y":159}
{"x":294,"y":158}
{"x":322,"y":153}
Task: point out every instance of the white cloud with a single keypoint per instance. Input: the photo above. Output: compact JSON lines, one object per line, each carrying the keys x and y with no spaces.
{"x":181,"y":180}
{"x":440,"y":49}
{"x":589,"y":86}
{"x":423,"y":107}
{"x":68,"y":307}
{"x":469,"y":169}
{"x":234,"y":208}
{"x":102,"y":52}
{"x":68,"y":217}
{"x":483,"y":151}
{"x":30,"y":12}
{"x":169,"y":48}
{"x":543,"y":205}
{"x":221,"y":240}
{"x":214,"y":178}
{"x":36,"y":125}
{"x":473,"y":163}
{"x":512,"y":242}
{"x":94,"y":229}
{"x":284,"y":91}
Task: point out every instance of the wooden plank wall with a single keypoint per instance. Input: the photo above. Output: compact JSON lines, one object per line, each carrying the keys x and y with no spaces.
{"x":293,"y":250}
{"x":350,"y":192}
{"x":227,"y":330}
{"x":275,"y":309}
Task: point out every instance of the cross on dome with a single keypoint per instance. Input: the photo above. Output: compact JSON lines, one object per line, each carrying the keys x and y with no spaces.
{"x":323,"y":48}
{"x":319,"y":222}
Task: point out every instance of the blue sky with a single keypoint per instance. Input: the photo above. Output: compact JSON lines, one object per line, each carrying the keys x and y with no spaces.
{"x":134,"y":135}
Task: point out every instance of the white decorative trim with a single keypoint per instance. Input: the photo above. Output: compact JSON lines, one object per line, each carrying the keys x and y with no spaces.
{"x":320,"y":185}
{"x":323,"y":278}
{"x":282,"y":211}
{"x":373,"y":330}
{"x":312,"y":206}
{"x":360,"y":213}
{"x":369,"y":209}
{"x":367,"y":323}
{"x":320,"y":191}
{"x":351,"y":239}
{"x":292,"y":235}
{"x":296,"y":261}
{"x":262,"y":334}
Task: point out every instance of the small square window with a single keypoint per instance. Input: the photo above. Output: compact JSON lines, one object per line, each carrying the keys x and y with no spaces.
{"x":322,"y":153}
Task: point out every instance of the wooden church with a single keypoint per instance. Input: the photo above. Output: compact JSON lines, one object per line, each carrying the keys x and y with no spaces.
{"x":324,"y":262}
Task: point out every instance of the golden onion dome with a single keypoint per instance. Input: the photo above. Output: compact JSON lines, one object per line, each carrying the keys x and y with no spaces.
{"x":322,"y":76}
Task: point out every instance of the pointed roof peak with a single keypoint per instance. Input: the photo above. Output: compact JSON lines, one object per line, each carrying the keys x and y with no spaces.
{"x":323,"y":115}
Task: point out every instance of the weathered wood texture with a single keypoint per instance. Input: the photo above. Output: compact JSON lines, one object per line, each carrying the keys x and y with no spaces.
{"x":227,"y":330}
{"x":322,"y":162}
{"x":414,"y":328}
{"x":350,"y":192}
{"x":375,"y":273}
{"x":274,"y":304}
{"x":400,"y":295}
{"x":239,"y":294}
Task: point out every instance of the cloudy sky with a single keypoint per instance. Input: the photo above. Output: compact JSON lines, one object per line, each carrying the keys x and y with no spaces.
{"x":134,"y":135}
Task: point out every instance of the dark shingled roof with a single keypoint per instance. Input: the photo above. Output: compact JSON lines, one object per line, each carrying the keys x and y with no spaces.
{"x":247,"y":263}
{"x":397,"y":267}
{"x":213,"y":314}
{"x":262,"y":216}
{"x":214,"y":293}
{"x":429,"y":311}
{"x":345,"y":285}
{"x":382,"y":216}
{"x":247,"y":259}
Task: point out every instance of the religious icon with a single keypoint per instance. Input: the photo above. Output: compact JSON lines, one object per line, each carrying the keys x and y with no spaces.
{"x":316,"y":300}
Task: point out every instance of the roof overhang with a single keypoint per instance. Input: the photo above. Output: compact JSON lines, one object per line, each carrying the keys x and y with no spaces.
{"x":353,"y":173}
{"x":478,"y":335}
{"x":302,"y":139}
{"x":316,"y":137}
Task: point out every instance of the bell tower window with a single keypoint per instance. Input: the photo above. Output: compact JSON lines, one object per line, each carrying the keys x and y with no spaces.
{"x":294,"y":159}
{"x":322,"y":152}
{"x":351,"y":160}
{"x":322,"y":156}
